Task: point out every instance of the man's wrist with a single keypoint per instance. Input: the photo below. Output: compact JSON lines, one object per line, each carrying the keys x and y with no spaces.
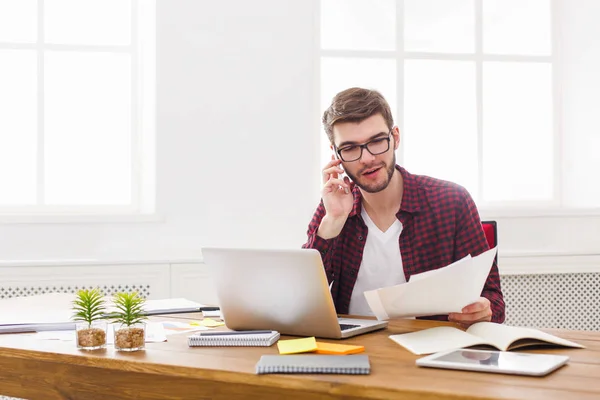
{"x":331,"y":227}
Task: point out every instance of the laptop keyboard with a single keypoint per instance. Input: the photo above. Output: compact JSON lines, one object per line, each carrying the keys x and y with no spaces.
{"x":348,"y":326}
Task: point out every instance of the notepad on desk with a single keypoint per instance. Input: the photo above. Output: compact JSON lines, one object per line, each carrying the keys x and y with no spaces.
{"x":502,"y":337}
{"x":357,"y":364}
{"x":234,"y":338}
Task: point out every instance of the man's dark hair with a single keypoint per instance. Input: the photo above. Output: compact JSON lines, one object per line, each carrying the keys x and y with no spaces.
{"x":355,"y":105}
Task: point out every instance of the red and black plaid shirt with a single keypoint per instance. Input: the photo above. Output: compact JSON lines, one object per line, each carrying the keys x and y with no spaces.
{"x":440,"y":225}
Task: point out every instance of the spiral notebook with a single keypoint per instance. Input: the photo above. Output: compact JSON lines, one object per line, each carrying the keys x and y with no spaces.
{"x":233,"y":339}
{"x":357,"y":364}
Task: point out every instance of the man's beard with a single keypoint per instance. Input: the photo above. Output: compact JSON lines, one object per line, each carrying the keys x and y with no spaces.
{"x":374,"y":187}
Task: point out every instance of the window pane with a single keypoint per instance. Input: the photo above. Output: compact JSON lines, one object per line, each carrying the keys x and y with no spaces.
{"x":95,"y":22}
{"x":446,"y":26}
{"x":18,"y":127}
{"x":440,"y":121}
{"x":88,"y":133}
{"x":518,"y":145}
{"x":18,"y":21}
{"x":580,"y":102}
{"x":338,"y":74}
{"x":358,"y":24}
{"x":516,"y":27}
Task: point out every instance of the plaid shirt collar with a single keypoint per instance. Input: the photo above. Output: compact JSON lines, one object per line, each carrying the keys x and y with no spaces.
{"x":412,"y":197}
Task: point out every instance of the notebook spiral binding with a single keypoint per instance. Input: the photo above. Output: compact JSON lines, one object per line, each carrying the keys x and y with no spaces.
{"x":259,"y":340}
{"x":357,"y":364}
{"x":286,"y":369}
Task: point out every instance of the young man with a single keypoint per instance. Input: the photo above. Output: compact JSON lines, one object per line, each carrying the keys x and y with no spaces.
{"x":380,"y":224}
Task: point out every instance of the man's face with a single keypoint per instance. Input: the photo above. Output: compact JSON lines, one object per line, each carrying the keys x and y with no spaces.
{"x":372,"y":173}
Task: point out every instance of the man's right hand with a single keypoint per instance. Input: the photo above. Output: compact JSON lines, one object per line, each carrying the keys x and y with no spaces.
{"x":337,"y":199}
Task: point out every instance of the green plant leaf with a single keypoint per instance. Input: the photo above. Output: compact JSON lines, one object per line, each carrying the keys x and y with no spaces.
{"x":88,"y":306}
{"x":130,"y":308}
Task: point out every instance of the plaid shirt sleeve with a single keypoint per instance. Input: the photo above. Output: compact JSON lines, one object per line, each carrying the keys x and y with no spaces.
{"x":318,"y":243}
{"x":470,"y":239}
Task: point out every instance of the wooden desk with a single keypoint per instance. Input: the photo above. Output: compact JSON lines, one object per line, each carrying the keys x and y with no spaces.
{"x":36,"y":369}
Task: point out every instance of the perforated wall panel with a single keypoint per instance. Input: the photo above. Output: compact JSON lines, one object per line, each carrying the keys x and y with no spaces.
{"x":107,"y":290}
{"x":565,"y":301}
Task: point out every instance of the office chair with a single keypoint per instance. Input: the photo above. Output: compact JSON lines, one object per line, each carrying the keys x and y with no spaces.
{"x":491,"y":234}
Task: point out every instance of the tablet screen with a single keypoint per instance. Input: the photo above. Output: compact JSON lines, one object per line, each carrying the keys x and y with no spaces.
{"x":495,"y":361}
{"x":470,"y":357}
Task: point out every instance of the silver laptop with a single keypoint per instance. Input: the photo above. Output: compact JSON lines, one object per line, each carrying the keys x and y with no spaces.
{"x":282,"y":290}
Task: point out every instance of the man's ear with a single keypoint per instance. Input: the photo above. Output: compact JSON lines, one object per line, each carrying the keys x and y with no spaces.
{"x":396,"y":135}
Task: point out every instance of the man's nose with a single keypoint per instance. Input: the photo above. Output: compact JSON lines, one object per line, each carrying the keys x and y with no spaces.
{"x":366,"y":157}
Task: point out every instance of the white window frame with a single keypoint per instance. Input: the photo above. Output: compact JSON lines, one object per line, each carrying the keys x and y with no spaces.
{"x":143,"y":100}
{"x":552,"y":208}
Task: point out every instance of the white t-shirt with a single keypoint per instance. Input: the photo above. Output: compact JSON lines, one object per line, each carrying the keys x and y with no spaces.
{"x":381,"y":264}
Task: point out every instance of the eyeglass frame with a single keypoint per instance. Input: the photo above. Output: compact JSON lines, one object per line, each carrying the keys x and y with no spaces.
{"x":364,"y":146}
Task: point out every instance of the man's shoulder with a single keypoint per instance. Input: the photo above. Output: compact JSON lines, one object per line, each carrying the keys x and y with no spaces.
{"x":439,"y":186}
{"x":440,"y":194}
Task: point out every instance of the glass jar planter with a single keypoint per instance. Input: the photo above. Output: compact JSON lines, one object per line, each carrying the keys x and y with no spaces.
{"x":91,"y":336}
{"x":130,"y":338}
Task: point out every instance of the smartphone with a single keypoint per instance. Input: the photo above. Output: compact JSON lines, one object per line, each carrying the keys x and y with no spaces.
{"x":343,"y":174}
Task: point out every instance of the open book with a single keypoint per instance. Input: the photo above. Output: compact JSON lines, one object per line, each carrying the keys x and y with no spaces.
{"x":502,"y":337}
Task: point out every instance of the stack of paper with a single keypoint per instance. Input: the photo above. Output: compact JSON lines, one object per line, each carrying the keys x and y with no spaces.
{"x":53,"y":311}
{"x":439,"y":291}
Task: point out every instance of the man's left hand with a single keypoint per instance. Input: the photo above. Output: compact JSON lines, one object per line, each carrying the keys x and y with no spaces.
{"x":475,"y":312}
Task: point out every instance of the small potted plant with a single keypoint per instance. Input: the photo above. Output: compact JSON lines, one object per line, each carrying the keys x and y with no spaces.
{"x":130,"y":330}
{"x":90,"y":326}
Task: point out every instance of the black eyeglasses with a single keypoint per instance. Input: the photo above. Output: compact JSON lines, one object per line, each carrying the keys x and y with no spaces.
{"x":376,"y":146}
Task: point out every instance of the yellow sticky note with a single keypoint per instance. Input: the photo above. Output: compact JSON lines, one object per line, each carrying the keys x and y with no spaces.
{"x":335,"y":348}
{"x":294,"y":346}
{"x":208,"y":322}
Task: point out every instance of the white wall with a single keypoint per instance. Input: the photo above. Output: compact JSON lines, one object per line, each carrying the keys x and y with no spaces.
{"x":235,"y":138}
{"x":237,"y":148}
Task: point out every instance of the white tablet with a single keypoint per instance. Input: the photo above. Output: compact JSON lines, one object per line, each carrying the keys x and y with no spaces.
{"x":494,"y":361}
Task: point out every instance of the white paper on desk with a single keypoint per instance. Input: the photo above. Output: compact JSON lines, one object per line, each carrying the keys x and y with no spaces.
{"x":52,"y":312}
{"x":40,"y":309}
{"x":212,"y":314}
{"x":175,"y":327}
{"x":441,"y":291}
{"x":54,"y":308}
{"x":161,"y":306}
{"x":155,"y":333}
{"x":66,"y":336}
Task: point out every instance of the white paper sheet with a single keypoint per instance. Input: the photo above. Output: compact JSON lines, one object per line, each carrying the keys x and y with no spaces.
{"x":176,"y":327}
{"x":53,"y":311}
{"x":46,"y":309}
{"x":155,"y":333}
{"x":212,"y":314}
{"x":441,"y":291}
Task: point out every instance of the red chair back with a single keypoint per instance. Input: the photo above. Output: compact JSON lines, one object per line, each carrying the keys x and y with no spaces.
{"x":491,"y":234}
